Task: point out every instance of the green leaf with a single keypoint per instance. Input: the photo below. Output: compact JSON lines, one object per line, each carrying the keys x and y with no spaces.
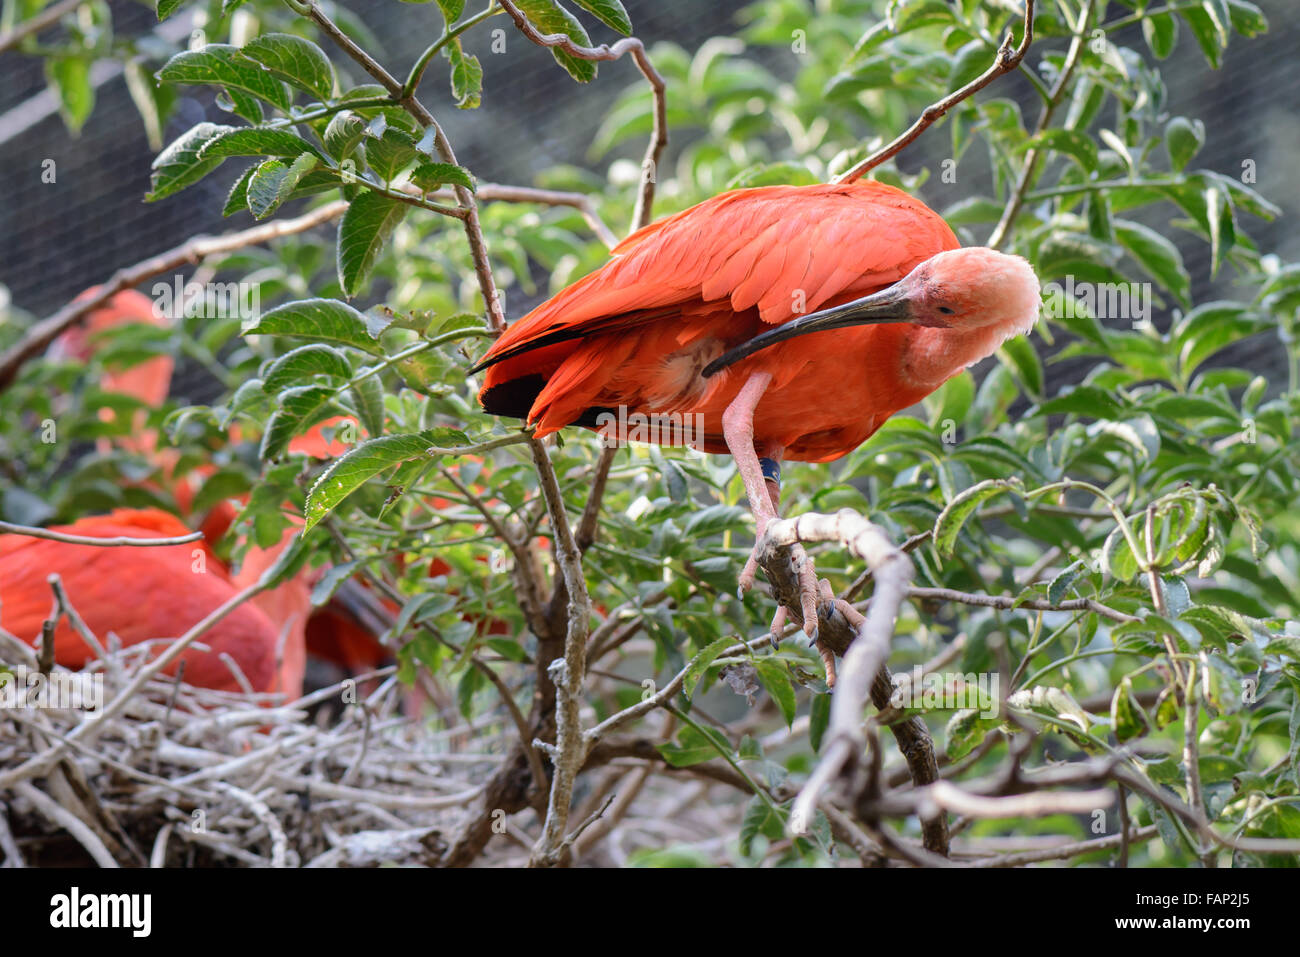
{"x":963,"y":506}
{"x":273,"y":182}
{"x":609,"y":12}
{"x":329,"y":582}
{"x":1129,"y":719}
{"x":966,"y":729}
{"x":324,"y":320}
{"x":819,"y":719}
{"x":343,"y":134}
{"x":257,"y":141}
{"x":1161,"y":33}
{"x":760,"y":818}
{"x":466,"y":76}
{"x":1210,"y":327}
{"x":451,"y":10}
{"x":550,"y":18}
{"x":693,"y":746}
{"x":299,"y":365}
{"x":354,"y":468}
{"x":69,"y":79}
{"x":389,"y":153}
{"x":1078,"y":146}
{"x":179,"y":165}
{"x":429,"y":176}
{"x":368,"y":395}
{"x":144,"y":94}
{"x":1062,"y":583}
{"x":292,"y":58}
{"x":166,"y":8}
{"x":1157,"y":256}
{"x":299,"y":409}
{"x":776,"y":678}
{"x":221,"y":64}
{"x":1183,"y":137}
{"x":237,"y":198}
{"x":366,"y":226}
{"x":1020,"y":358}
{"x":1210,"y":35}
{"x":1247,"y":18}
{"x":700,"y":663}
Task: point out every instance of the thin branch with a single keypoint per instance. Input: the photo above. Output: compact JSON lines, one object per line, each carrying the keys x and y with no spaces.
{"x":568,"y":673}
{"x":865,"y":656}
{"x":45,"y":18}
{"x":192,"y":251}
{"x":1073,"y":849}
{"x":408,"y":102}
{"x":495,"y":192}
{"x":1007,"y":60}
{"x":1008,"y":603}
{"x":659,"y":133}
{"x":114,"y":541}
{"x":1017,"y":200}
{"x":591,"y":513}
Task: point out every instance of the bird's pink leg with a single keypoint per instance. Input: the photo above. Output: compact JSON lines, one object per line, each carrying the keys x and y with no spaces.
{"x":764,"y":493}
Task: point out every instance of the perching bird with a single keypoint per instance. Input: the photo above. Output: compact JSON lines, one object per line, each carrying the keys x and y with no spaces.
{"x":794,"y":319}
{"x":140,"y":594}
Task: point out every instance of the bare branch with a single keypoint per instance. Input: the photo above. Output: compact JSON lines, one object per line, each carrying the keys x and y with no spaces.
{"x":45,"y":18}
{"x":659,"y":134}
{"x":114,"y":541}
{"x":1054,"y":98}
{"x":187,"y":253}
{"x":1007,"y":59}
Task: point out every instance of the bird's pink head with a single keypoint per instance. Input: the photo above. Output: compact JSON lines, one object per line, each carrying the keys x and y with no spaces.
{"x":970,"y":288}
{"x":966,"y":290}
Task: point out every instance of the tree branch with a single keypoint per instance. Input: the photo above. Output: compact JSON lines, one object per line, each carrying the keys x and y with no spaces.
{"x":659,"y":133}
{"x":187,"y":253}
{"x":1007,"y":59}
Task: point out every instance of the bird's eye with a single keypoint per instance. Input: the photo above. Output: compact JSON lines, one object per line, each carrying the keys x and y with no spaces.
{"x":947,"y":310}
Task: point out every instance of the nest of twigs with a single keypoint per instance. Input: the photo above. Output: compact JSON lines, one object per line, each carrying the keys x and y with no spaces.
{"x":189,"y":776}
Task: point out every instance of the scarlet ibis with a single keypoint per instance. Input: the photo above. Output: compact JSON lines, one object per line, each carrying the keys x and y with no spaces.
{"x":149,"y":381}
{"x":140,"y":594}
{"x":793,"y":319}
{"x":288,"y":605}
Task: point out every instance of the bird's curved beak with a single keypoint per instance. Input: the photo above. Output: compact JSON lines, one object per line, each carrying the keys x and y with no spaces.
{"x":893,"y":304}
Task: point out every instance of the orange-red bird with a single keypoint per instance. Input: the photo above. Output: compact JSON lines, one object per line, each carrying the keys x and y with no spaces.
{"x":139,"y":594}
{"x":794,"y":319}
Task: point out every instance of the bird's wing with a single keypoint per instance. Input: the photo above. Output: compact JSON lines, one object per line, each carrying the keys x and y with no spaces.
{"x":784,"y":250}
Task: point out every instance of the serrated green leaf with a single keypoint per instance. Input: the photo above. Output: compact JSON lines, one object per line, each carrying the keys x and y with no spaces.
{"x":257,"y":141}
{"x":299,"y":365}
{"x":429,"y":176}
{"x":700,"y":663}
{"x":220,"y":64}
{"x":323,"y":320}
{"x":551,"y":18}
{"x":356,"y":467}
{"x":776,"y":678}
{"x":609,"y":12}
{"x":466,"y":76}
{"x":179,"y":165}
{"x":963,"y":506}
{"x":292,"y":58}
{"x":299,"y":409}
{"x":368,"y":222}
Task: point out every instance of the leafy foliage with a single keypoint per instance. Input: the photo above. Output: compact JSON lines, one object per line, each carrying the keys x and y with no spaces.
{"x":1157,"y":486}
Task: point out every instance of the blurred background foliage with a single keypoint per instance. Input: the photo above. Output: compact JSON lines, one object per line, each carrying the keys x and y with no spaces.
{"x":1042,"y":473}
